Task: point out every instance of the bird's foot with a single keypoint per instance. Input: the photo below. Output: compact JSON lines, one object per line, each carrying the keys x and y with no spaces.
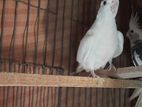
{"x":98,"y":77}
{"x":94,"y":75}
{"x":111,"y":67}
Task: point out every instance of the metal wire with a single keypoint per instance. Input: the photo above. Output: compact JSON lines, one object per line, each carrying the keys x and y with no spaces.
{"x":36,"y":35}
{"x":25,"y":37}
{"x":36,"y":6}
{"x":46,"y":37}
{"x":2,"y":30}
{"x":54,"y":35}
{"x":12,"y":43}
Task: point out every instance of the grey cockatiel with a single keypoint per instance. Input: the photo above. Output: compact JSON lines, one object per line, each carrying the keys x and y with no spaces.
{"x":102,"y":42}
{"x":135,"y":36}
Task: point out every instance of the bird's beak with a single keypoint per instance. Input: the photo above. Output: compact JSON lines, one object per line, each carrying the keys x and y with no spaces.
{"x":114,"y":7}
{"x":127,"y":35}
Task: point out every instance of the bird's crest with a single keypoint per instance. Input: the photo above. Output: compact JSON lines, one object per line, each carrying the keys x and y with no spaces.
{"x":134,"y":21}
{"x":134,"y":24}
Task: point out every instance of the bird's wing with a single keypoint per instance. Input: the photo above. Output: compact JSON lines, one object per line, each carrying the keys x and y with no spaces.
{"x":84,"y":48}
{"x":136,"y":59}
{"x":120,"y":44}
{"x":92,"y":52}
{"x":137,"y":54}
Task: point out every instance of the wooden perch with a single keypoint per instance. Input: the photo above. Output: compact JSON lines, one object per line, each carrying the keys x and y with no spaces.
{"x":125,"y":73}
{"x":121,"y":73}
{"x":22,"y":79}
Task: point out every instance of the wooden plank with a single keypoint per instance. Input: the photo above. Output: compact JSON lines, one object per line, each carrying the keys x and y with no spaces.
{"x":21,"y":79}
{"x":121,"y":73}
{"x":125,"y":73}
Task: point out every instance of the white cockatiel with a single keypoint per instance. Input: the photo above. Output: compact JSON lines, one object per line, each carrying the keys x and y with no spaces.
{"x":135,"y":36}
{"x":102,"y":42}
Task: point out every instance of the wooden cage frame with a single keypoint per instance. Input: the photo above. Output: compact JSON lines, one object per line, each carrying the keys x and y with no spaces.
{"x":22,"y":79}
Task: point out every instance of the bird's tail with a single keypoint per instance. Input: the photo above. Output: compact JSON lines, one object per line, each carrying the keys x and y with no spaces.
{"x":139,"y":101}
{"x":137,"y":93}
{"x":79,"y":69}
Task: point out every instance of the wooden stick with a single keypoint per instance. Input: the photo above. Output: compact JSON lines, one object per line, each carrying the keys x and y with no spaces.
{"x":125,"y":73}
{"x":21,"y":79}
{"x":121,"y":73}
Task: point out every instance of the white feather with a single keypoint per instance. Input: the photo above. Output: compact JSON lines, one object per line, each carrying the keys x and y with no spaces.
{"x":102,"y":41}
{"x":120,"y":44}
{"x":137,"y":58}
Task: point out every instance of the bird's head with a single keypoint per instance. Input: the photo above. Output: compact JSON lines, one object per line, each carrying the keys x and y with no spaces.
{"x":112,"y":5}
{"x":135,"y":32}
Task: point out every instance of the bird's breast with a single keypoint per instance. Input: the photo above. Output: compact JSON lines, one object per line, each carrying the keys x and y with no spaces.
{"x":97,"y":46}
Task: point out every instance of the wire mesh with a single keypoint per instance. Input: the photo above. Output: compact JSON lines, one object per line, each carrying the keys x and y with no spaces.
{"x":42,"y":36}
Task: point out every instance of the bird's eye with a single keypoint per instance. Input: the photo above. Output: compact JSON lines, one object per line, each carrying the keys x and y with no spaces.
{"x":132,"y":31}
{"x":104,"y":3}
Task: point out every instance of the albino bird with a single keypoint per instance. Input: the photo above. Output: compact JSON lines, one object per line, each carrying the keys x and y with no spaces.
{"x":135,"y":36}
{"x":102,"y":42}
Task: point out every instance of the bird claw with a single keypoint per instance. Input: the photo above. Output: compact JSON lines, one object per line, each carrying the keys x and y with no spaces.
{"x":98,"y":77}
{"x":111,"y":67}
{"x":94,"y":75}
